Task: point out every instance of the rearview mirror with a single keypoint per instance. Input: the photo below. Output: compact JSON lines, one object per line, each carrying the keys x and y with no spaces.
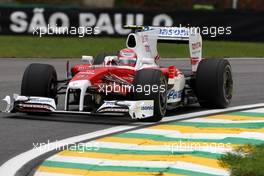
{"x":88,"y":59}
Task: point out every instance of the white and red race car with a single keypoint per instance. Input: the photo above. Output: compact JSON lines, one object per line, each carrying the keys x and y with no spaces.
{"x":130,"y":82}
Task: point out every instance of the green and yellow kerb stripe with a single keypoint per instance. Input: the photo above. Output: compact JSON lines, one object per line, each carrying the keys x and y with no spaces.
{"x":183,"y":148}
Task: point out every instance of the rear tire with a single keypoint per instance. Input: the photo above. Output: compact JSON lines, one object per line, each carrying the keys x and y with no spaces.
{"x":152,"y":77}
{"x":214,"y":83}
{"x":39,"y":80}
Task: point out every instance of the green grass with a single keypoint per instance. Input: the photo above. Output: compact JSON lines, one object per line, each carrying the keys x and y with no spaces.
{"x":245,"y":161}
{"x":60,"y":47}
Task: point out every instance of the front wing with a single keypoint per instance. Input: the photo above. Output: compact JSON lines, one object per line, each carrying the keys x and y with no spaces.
{"x":136,"y":109}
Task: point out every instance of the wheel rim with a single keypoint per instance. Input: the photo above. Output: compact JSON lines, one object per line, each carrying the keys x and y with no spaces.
{"x":228,"y":84}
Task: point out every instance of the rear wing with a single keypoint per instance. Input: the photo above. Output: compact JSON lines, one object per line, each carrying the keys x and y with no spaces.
{"x":169,"y":34}
{"x":189,"y":36}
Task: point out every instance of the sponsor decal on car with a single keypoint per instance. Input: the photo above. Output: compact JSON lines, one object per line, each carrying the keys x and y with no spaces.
{"x":109,"y":103}
{"x":196,"y":45}
{"x":89,"y":72}
{"x":147,"y":108}
{"x":182,"y":32}
{"x":34,"y":106}
{"x":173,"y":94}
{"x":114,"y":110}
{"x":40,"y":100}
{"x":82,"y":76}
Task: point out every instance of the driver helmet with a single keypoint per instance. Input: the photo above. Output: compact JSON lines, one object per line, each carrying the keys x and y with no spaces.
{"x":127,"y":57}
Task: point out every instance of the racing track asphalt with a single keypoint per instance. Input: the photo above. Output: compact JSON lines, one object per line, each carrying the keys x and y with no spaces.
{"x":18,"y":132}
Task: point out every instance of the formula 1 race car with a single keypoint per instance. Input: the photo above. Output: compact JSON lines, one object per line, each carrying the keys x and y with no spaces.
{"x":128,"y":82}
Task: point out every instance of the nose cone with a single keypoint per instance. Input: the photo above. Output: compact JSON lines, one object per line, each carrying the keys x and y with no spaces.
{"x":93,"y":75}
{"x":79,"y":84}
{"x":82,"y":85}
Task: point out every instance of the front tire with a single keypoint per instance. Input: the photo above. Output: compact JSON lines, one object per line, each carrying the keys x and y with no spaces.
{"x":39,"y":80}
{"x":152,"y":77}
{"x":214,"y":83}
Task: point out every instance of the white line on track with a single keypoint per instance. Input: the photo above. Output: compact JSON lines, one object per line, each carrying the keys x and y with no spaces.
{"x":54,"y":174}
{"x":214,"y":136}
{"x":260,"y":110}
{"x":223,"y":121}
{"x":13,"y":165}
